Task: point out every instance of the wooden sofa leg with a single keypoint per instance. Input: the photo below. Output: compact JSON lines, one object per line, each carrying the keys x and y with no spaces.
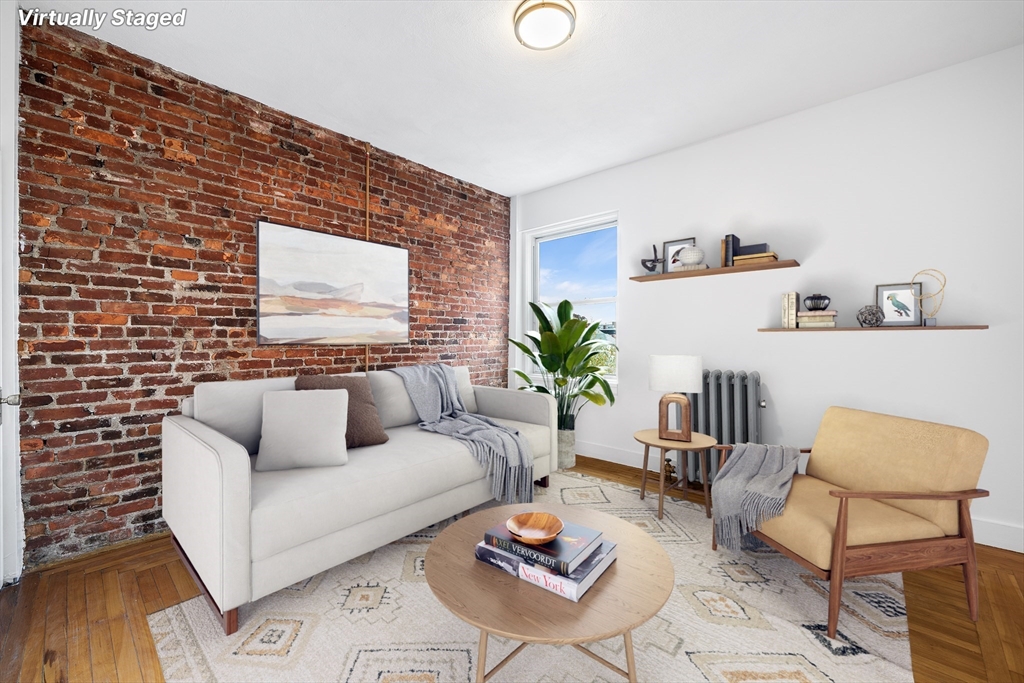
{"x":970,"y":567}
{"x":543,"y":482}
{"x":229,"y":619}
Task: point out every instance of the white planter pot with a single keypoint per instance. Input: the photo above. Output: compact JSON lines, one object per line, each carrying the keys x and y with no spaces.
{"x":566,"y":449}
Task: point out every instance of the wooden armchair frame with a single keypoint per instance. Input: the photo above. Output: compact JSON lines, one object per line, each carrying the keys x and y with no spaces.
{"x":884,"y":558}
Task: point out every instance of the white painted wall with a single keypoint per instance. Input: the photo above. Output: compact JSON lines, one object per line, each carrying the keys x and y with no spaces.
{"x":925,"y":173}
{"x":12,"y":528}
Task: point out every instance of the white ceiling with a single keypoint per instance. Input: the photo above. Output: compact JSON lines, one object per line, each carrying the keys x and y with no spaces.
{"x":445,"y":83}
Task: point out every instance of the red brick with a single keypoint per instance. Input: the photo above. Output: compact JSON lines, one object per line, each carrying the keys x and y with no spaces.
{"x":138,"y":275}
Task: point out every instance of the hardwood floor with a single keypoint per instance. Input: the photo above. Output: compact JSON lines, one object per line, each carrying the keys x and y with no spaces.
{"x":86,"y":619}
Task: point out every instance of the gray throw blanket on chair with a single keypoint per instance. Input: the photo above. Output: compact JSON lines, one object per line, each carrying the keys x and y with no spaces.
{"x":750,"y":488}
{"x":501,"y":450}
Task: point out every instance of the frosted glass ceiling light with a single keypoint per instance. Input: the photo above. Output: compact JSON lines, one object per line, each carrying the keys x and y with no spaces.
{"x":545,"y":24}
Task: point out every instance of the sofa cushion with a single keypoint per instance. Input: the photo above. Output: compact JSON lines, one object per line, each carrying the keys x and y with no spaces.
{"x":394,"y":405}
{"x":303,"y":429}
{"x":809,"y":521}
{"x":538,"y":436}
{"x":235,"y":409}
{"x":363,"y":427}
{"x":291,"y":507}
{"x":864,"y":451}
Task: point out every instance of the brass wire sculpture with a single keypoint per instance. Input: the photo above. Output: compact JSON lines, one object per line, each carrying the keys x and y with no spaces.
{"x":934,"y":299}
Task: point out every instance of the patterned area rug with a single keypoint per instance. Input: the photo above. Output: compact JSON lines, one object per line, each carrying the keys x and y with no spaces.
{"x":753,"y":616}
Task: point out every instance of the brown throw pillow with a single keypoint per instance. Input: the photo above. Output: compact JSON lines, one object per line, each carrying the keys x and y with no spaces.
{"x":364,"y":426}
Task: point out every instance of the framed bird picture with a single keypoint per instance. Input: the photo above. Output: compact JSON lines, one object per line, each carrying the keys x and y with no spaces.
{"x":899,"y":304}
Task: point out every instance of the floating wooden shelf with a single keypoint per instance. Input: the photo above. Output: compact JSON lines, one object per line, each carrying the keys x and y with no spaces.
{"x":790,"y":263}
{"x":873,"y":329}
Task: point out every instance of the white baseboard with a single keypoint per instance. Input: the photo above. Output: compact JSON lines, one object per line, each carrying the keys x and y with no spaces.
{"x":999,"y":534}
{"x":986,"y":531}
{"x":618,"y":455}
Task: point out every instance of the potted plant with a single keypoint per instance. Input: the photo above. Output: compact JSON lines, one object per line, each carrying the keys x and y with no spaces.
{"x":573,"y":360}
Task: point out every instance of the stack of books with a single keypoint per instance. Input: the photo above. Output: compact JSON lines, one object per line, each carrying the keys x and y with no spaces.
{"x":816,"y":319}
{"x":761,"y":257}
{"x":733,"y":254}
{"x":567,"y":566}
{"x":790,"y":310}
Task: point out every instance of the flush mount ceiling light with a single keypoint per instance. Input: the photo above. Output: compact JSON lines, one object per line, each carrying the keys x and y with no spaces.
{"x":545,"y":24}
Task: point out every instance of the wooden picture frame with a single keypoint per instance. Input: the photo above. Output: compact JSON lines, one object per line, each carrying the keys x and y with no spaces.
{"x":900,"y":304}
{"x":674,"y":245}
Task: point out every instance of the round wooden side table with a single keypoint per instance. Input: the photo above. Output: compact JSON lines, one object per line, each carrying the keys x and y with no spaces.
{"x":631,"y":591}
{"x":701,"y":443}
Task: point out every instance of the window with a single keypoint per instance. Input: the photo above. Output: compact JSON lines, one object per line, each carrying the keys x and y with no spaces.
{"x":580,"y":266}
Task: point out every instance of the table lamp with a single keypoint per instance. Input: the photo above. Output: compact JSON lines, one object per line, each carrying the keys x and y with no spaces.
{"x":679,"y":375}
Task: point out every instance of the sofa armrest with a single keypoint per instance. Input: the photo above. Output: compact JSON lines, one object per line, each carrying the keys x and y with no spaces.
{"x":522,"y":406}
{"x":206,"y":502}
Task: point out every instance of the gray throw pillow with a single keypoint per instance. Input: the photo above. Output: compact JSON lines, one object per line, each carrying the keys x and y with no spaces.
{"x":303,"y":429}
{"x":364,"y":427}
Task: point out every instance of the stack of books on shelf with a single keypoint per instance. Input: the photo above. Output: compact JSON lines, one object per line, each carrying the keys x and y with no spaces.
{"x":567,"y":566}
{"x":733,"y":254}
{"x":816,"y":319}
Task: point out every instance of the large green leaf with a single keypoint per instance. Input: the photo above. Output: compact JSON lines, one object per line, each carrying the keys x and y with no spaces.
{"x":570,"y":333}
{"x":550,"y":345}
{"x":593,"y":397}
{"x":536,"y":388}
{"x":606,"y":388}
{"x":534,"y":337}
{"x":590,"y":332}
{"x":526,"y":350}
{"x":564,"y":312}
{"x":545,"y":317}
{"x":523,"y":376}
{"x":551,"y":361}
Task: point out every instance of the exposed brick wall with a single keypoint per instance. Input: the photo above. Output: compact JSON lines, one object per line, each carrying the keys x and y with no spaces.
{"x":140,"y":188}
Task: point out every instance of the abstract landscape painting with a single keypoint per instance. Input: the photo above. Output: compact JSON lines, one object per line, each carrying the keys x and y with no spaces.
{"x":316,"y":288}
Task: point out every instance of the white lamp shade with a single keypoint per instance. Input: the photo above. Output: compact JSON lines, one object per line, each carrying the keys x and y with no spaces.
{"x":683,"y":374}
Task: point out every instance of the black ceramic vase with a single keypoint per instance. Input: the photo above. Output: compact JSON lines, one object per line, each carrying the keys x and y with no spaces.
{"x":816,"y":302}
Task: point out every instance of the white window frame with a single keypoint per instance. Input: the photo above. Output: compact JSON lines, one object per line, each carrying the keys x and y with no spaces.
{"x":528,"y":248}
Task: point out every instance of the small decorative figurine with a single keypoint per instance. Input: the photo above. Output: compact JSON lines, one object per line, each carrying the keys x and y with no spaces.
{"x":870,"y":316}
{"x":651,"y":264}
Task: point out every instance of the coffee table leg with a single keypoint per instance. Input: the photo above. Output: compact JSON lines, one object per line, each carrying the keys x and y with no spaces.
{"x":630,"y":661}
{"x":643,"y":475}
{"x":481,"y":665}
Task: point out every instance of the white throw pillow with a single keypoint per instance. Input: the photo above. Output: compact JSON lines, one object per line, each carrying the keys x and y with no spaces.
{"x":303,"y":429}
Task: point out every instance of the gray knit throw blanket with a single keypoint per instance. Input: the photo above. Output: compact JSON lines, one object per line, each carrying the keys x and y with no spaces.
{"x":751,"y":488}
{"x":502,"y":451}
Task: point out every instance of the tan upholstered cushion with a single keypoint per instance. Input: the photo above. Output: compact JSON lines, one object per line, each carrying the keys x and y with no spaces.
{"x":809,"y":522}
{"x":863,"y":451}
{"x":364,"y":427}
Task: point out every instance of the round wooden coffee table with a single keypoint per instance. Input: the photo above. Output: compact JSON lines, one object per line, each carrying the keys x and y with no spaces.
{"x":630,"y":592}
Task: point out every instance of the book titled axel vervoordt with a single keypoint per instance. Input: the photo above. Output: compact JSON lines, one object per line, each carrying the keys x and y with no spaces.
{"x":572,"y":586}
{"x":572,"y":545}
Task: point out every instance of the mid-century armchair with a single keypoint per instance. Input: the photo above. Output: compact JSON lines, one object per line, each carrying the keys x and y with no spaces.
{"x":882,"y":494}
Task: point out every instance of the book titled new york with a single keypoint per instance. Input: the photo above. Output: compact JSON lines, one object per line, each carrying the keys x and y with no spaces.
{"x":563,"y":555}
{"x":572,"y":586}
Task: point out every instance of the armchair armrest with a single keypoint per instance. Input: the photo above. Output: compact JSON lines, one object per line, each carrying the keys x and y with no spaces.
{"x":206,"y":502}
{"x":521,"y":406}
{"x":911,"y":495}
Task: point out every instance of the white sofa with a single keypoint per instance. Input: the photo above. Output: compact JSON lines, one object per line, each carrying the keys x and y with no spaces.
{"x":246,"y":534}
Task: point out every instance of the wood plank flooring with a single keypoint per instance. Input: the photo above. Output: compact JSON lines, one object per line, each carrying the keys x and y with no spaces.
{"x":86,"y":619}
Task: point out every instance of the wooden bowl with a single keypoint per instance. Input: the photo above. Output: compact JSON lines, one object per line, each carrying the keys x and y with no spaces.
{"x":534,"y":528}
